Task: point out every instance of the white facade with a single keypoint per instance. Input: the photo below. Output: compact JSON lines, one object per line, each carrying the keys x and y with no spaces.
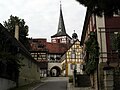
{"x":72,"y":59}
{"x":61,"y":39}
{"x":51,"y":65}
{"x":101,"y":36}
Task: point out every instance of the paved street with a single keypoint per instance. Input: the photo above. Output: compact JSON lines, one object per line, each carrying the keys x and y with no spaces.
{"x":58,"y":83}
{"x":53,"y":83}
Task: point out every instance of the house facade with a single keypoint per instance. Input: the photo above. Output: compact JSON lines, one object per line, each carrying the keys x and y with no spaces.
{"x":39,"y":53}
{"x":48,"y":55}
{"x":72,"y":59}
{"x":99,"y":40}
{"x":55,"y":52}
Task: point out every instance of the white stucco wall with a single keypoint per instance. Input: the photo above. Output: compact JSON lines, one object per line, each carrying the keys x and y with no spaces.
{"x":50,"y":65}
{"x":100,"y":23}
{"x":64,"y":39}
{"x":6,"y":84}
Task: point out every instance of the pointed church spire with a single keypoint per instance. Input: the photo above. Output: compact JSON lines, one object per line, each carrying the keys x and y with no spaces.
{"x":61,"y":26}
{"x":60,"y":4}
{"x":61,"y":31}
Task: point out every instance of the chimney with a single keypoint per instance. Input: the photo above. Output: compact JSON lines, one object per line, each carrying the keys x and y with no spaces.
{"x":17,"y":31}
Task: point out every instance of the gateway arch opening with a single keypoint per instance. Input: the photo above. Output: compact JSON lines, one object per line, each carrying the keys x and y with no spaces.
{"x":55,"y":71}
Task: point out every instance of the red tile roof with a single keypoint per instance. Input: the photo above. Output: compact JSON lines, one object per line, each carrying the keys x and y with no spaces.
{"x":56,"y":47}
{"x":59,"y":48}
{"x":38,"y":44}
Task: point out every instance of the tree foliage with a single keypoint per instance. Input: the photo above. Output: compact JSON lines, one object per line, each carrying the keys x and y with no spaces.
{"x":23,"y":29}
{"x":109,"y":7}
{"x":92,"y":51}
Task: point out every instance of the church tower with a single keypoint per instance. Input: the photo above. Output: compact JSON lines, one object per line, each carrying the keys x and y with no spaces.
{"x":61,"y":36}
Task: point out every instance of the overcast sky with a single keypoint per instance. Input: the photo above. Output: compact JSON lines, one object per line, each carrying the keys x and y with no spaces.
{"x":42,"y":16}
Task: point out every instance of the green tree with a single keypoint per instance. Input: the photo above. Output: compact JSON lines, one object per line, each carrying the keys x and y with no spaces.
{"x":23,"y":29}
{"x":109,"y":7}
{"x":92,"y":53}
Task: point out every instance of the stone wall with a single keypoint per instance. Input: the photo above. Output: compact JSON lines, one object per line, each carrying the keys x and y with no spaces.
{"x":101,"y":75}
{"x":29,"y":72}
{"x":6,"y":84}
{"x":108,"y":80}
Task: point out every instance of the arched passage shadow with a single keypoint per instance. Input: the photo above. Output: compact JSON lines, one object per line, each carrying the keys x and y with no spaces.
{"x":55,"y":71}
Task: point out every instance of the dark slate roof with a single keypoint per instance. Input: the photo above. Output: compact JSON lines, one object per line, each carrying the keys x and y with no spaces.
{"x":61,"y":27}
{"x":60,"y":34}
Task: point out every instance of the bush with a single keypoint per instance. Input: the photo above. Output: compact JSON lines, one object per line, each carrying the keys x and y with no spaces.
{"x":70,"y":79}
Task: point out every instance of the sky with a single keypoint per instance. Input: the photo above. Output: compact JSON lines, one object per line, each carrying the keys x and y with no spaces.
{"x":42,"y":16}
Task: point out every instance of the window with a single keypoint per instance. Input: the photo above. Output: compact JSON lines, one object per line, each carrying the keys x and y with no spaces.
{"x":58,"y":40}
{"x":58,"y":58}
{"x":117,"y":14}
{"x":73,"y":66}
{"x":113,"y":41}
{"x":35,"y":40}
{"x":73,"y":55}
{"x":69,"y":41}
{"x":40,"y":46}
{"x":52,"y":58}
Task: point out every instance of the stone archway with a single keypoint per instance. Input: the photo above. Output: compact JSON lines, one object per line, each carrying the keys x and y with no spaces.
{"x":55,"y":71}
